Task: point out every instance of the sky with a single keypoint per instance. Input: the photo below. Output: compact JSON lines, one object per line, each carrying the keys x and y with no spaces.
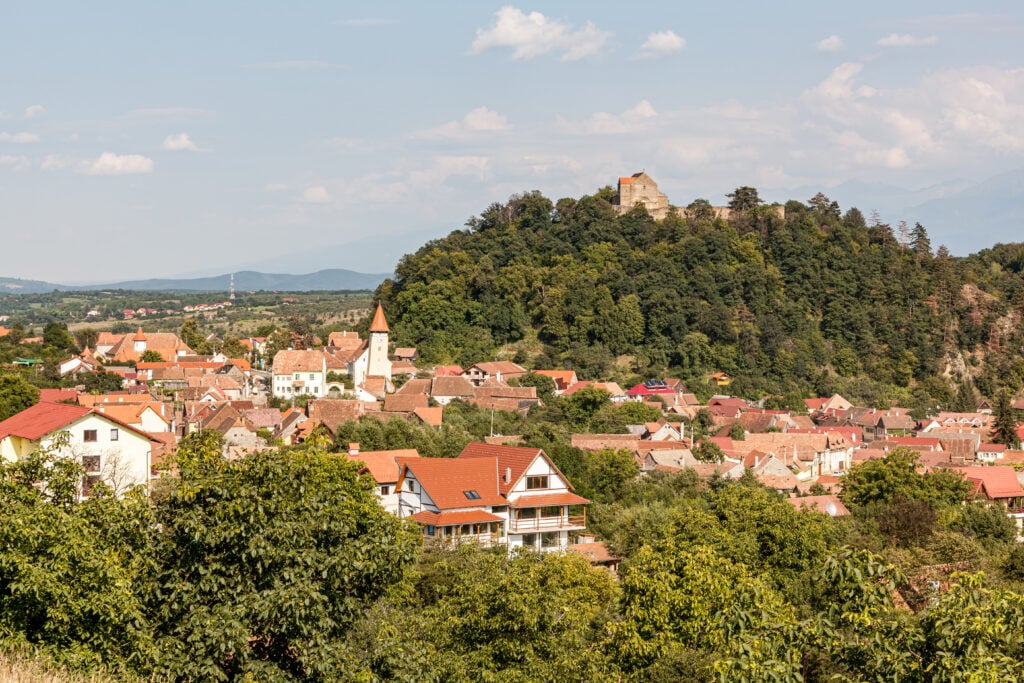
{"x":193,"y":138}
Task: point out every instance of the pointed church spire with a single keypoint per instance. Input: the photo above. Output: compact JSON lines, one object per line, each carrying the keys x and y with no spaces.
{"x":379,"y":324}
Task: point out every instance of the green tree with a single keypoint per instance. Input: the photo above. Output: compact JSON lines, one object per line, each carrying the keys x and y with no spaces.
{"x":151,"y":356}
{"x":708,"y":451}
{"x":895,"y":477}
{"x":743,"y":199}
{"x":1004,"y":425}
{"x":265,"y":562}
{"x":57,"y":336}
{"x":15,"y":395}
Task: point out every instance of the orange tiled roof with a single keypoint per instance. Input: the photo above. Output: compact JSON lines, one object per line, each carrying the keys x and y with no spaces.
{"x":447,"y":479}
{"x":41,"y":419}
{"x":516,"y":458}
{"x":379,"y":324}
{"x":383,"y":465}
{"x":454,"y":518}
{"x":544,"y":499}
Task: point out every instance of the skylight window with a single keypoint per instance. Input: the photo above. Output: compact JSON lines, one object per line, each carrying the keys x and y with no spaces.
{"x":472,"y":494}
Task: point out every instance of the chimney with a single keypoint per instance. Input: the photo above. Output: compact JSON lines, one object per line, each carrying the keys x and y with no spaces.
{"x":353,"y":448}
{"x":508,"y":474}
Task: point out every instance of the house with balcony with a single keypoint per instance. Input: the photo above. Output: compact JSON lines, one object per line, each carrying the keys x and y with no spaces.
{"x":491,"y":495}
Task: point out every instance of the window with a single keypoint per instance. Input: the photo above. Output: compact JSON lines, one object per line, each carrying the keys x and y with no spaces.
{"x":471,"y":494}
{"x":311,"y":376}
{"x":551,"y":511}
{"x":499,"y":509}
{"x":89,"y":435}
{"x":537,"y":482}
{"x":91,"y":463}
{"x":385,"y":490}
{"x":113,"y":434}
{"x":530,"y":540}
{"x":88,"y":482}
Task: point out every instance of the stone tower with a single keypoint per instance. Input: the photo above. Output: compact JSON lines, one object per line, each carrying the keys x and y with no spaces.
{"x":640,"y":188}
{"x":378,"y":364}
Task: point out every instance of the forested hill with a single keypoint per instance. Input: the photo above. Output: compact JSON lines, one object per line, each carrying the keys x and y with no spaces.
{"x":817,"y":302}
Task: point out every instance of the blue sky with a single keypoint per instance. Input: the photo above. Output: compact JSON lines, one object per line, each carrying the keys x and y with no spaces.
{"x":145,"y":139}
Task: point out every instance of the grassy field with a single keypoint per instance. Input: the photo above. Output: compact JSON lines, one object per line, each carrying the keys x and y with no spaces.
{"x":16,"y":669}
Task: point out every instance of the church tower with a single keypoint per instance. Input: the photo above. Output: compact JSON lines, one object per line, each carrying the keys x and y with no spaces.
{"x":378,"y":364}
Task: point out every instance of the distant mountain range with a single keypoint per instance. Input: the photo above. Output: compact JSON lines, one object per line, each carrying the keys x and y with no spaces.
{"x":246,"y":280}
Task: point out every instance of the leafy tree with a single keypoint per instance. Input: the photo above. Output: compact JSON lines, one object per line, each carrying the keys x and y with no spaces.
{"x":151,"y":356}
{"x":737,"y":433}
{"x":743,"y":199}
{"x":708,"y":451}
{"x":68,"y":570}
{"x":895,"y":477}
{"x":266,"y":562}
{"x":15,"y":395}
{"x":57,"y":336}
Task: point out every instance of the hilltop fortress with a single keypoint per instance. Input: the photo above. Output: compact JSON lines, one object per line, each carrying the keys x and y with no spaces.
{"x":641,"y":189}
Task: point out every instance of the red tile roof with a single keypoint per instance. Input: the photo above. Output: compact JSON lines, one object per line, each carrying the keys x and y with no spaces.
{"x":515,"y":458}
{"x":454,"y":518}
{"x":383,"y":465}
{"x":999,"y":481}
{"x":447,"y":479}
{"x":597,"y":552}
{"x":58,"y":395}
{"x":41,"y":419}
{"x":544,"y":499}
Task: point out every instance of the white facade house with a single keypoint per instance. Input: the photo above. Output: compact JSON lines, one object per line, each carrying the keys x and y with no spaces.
{"x":492,"y":495}
{"x":109,"y":450}
{"x":299,"y":373}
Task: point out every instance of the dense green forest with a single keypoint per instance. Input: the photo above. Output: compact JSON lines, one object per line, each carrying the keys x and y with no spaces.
{"x":281,"y":566}
{"x":814,"y":303}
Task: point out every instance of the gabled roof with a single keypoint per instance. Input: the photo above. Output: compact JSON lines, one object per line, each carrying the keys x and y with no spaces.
{"x":289,"y":361}
{"x":446,"y":481}
{"x":997,"y":482}
{"x":43,"y":418}
{"x":36,"y":422}
{"x":383,"y":465}
{"x":514,"y":458}
{"x":58,"y":395}
{"x":431,"y":416}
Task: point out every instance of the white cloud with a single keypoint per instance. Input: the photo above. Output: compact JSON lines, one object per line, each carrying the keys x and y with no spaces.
{"x":110,"y":163}
{"x":19,"y":138}
{"x":906,"y":40}
{"x":661,"y":43}
{"x":532,"y":35}
{"x":298,"y":65}
{"x":364,"y":22}
{"x":839,"y":85}
{"x":831,"y":44}
{"x":55,"y":162}
{"x":631,"y":120}
{"x":17,"y":162}
{"x":179,"y":143}
{"x":479,"y":120}
{"x":316,"y":194}
{"x":34,"y":110}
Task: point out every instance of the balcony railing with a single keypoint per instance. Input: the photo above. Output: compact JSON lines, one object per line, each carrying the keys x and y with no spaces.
{"x":547,"y":523}
{"x":483,"y":540}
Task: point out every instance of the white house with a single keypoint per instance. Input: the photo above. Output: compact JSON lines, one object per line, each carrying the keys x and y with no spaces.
{"x":385,"y":468}
{"x":109,"y":450}
{"x":492,"y":495}
{"x":299,"y":372}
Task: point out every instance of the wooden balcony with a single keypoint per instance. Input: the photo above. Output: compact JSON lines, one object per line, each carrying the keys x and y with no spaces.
{"x":528,"y":524}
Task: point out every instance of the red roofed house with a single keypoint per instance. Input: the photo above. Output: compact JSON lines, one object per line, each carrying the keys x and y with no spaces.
{"x":640,"y":189}
{"x":109,"y":450}
{"x":384,"y":467}
{"x":501,"y":370}
{"x":492,"y":495}
{"x":999,"y":484}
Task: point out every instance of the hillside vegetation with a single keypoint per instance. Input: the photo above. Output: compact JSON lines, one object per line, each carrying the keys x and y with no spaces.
{"x":813,"y":303}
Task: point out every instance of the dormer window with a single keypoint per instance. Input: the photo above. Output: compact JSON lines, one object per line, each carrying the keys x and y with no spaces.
{"x":471,"y":495}
{"x":537,"y":482}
